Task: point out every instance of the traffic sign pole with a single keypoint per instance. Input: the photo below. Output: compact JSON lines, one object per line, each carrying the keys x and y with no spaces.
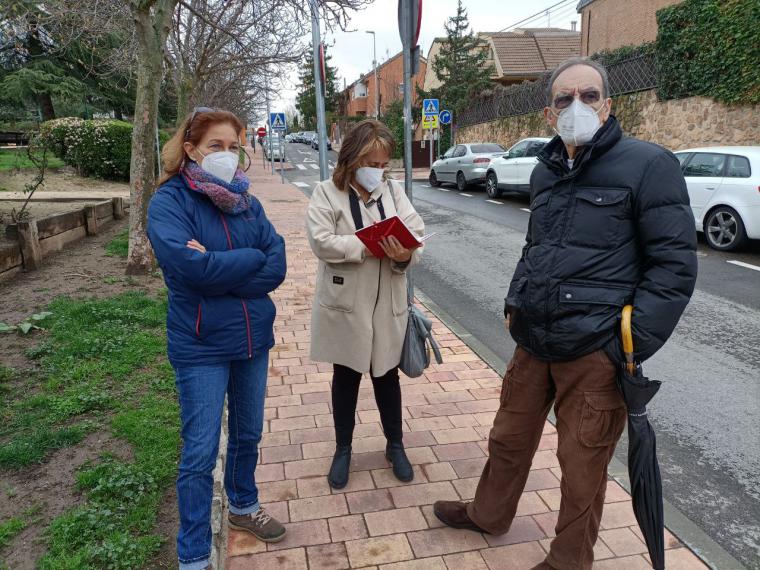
{"x":282,"y":158}
{"x":324,"y":172}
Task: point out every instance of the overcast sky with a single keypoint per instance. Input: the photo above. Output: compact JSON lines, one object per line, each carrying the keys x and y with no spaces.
{"x":352,"y":52}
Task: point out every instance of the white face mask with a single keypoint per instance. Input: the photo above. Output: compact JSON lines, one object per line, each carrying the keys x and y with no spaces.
{"x":578,"y":123}
{"x":222,"y":164}
{"x":370,"y":178}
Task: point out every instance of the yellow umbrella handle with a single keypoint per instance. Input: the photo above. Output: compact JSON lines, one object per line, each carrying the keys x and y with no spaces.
{"x":627,"y":334}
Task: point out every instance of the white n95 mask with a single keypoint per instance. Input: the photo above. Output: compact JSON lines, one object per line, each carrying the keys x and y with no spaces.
{"x":370,"y":178}
{"x":222,"y":164}
{"x":578,"y":123}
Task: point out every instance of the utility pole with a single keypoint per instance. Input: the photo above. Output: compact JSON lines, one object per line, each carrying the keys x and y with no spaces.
{"x":377,"y":82}
{"x":318,"y":53}
{"x":405,"y":24}
{"x":271,"y":133}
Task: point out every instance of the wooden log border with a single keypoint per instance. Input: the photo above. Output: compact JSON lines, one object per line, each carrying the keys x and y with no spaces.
{"x":27,"y":243}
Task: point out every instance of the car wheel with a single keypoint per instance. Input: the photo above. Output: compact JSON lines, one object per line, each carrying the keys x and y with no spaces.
{"x":724,"y":229}
{"x":433,"y":179}
{"x":492,"y":185}
{"x":461,"y":181}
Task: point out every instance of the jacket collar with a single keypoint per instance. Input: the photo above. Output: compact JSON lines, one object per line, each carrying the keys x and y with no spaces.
{"x":554,"y":153}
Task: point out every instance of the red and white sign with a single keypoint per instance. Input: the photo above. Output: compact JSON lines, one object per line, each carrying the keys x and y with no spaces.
{"x":261,"y":132}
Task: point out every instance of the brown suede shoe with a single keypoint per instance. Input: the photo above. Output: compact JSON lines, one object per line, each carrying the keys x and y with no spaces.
{"x":260,"y":524}
{"x":454,"y":514}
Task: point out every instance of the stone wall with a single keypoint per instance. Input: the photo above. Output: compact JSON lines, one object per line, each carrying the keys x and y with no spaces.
{"x":677,"y":124}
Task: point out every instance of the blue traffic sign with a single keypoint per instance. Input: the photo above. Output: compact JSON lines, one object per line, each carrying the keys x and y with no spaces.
{"x":277,"y":122}
{"x":430,"y":106}
{"x":445,"y":117}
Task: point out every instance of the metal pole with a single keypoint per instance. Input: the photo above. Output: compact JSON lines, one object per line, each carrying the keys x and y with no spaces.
{"x":406,"y":24}
{"x":406,"y":27}
{"x":269,"y":122}
{"x":432,"y":144}
{"x":377,"y":81}
{"x":282,"y":157}
{"x":324,"y":172}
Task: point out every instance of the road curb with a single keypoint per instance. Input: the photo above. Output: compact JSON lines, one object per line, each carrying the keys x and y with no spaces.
{"x":693,"y":537}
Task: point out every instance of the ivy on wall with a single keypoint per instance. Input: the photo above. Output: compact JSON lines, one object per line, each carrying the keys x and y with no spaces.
{"x":710,"y":48}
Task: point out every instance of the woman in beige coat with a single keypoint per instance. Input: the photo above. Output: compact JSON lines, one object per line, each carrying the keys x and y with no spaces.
{"x":360,"y":309}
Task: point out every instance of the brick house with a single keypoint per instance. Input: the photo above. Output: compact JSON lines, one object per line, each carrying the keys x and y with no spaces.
{"x":610,"y":24}
{"x":520,"y":55}
{"x":358,"y":99}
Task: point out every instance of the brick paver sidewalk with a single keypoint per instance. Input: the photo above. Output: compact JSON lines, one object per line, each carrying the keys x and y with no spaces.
{"x":376,"y":521}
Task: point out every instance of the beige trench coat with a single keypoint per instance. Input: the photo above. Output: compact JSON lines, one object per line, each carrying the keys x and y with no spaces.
{"x":359,"y":315}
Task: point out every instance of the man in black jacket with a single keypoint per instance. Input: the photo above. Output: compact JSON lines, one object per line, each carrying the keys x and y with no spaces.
{"x":610,"y":225}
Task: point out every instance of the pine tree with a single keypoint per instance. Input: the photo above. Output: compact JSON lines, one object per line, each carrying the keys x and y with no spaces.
{"x":461,"y":65}
{"x":306,"y":102}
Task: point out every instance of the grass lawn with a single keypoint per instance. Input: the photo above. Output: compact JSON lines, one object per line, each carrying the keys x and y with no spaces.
{"x":102,"y":367}
{"x":11,"y":159}
{"x":119,"y":246}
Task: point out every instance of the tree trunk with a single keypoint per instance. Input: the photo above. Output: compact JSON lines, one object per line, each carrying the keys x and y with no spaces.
{"x":152,"y":26}
{"x":184,"y":91}
{"x":46,"y":106}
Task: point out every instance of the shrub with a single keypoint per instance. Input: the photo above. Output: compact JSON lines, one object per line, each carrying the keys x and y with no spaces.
{"x":100,"y":148}
{"x":710,"y":48}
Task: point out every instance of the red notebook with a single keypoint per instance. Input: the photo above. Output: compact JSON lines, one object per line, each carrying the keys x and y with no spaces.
{"x":393,"y":226}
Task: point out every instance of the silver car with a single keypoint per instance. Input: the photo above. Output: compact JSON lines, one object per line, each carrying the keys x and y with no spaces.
{"x":277,"y":151}
{"x":465,"y":164}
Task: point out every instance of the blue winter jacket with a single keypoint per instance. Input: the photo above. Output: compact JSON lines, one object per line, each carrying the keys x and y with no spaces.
{"x":219,"y":307}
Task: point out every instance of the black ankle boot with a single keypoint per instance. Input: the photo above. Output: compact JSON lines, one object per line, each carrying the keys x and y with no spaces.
{"x":402,"y":469}
{"x":338,"y":476}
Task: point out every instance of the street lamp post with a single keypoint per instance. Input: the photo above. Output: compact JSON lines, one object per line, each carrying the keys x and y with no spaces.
{"x":377,"y":82}
{"x":324,"y":172}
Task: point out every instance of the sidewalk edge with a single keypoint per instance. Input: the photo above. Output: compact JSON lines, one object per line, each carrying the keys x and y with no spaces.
{"x":693,"y":537}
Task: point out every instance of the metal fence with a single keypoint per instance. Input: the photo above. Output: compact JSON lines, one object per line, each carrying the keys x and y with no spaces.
{"x":637,"y":73}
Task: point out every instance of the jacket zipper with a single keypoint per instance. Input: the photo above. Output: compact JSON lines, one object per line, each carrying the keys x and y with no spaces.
{"x":198,"y":322}
{"x":242,"y":301}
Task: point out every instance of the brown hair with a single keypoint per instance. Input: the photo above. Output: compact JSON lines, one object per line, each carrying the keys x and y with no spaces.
{"x":366,"y":136}
{"x":192,"y":130}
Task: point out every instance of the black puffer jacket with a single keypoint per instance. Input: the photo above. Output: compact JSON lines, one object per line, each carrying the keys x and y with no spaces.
{"x":616,"y":229}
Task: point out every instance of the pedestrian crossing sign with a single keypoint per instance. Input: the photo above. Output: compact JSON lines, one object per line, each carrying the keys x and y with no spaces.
{"x":429,"y":121}
{"x":277,"y":122}
{"x":430,"y":107}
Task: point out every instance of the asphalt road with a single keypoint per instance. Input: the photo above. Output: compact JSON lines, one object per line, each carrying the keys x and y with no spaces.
{"x":707,"y":413}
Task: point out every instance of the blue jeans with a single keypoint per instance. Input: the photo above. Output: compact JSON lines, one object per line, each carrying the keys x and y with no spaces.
{"x":201,"y":400}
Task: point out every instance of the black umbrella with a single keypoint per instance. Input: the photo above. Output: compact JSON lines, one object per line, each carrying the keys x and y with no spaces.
{"x":643,"y":469}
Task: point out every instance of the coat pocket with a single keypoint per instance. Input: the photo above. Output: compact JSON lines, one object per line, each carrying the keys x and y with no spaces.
{"x":602,"y":418}
{"x":337,"y":289}
{"x":601,"y":218}
{"x":603,"y":294}
{"x":398,"y":294}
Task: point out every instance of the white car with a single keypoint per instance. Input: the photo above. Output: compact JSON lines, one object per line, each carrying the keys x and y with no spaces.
{"x":464,"y":164}
{"x":511,"y":172}
{"x":724,"y":191}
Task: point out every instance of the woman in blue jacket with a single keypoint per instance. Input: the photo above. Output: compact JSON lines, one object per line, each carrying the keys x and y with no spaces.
{"x":220,"y":258}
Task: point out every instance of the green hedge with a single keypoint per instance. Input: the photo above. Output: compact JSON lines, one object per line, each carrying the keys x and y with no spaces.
{"x":612,"y":56}
{"x":710,"y":48}
{"x":99,"y":148}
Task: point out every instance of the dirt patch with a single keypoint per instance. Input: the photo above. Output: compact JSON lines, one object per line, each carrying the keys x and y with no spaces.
{"x":63,"y":180}
{"x":49,"y":489}
{"x":81,"y":270}
{"x":166,"y":527}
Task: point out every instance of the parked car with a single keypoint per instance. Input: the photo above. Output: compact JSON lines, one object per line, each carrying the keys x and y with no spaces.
{"x":307,"y":136}
{"x":289,"y":138}
{"x":724,"y":191}
{"x":277,"y":151}
{"x":315,"y":143}
{"x":464,"y":164}
{"x":511,"y":171}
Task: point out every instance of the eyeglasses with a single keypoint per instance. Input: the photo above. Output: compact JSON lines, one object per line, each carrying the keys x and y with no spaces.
{"x":196,"y":111}
{"x":564,"y":100}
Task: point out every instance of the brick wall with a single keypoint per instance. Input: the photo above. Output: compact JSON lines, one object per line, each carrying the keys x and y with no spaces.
{"x":390,"y":76}
{"x":676,"y":124}
{"x":609,"y":24}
